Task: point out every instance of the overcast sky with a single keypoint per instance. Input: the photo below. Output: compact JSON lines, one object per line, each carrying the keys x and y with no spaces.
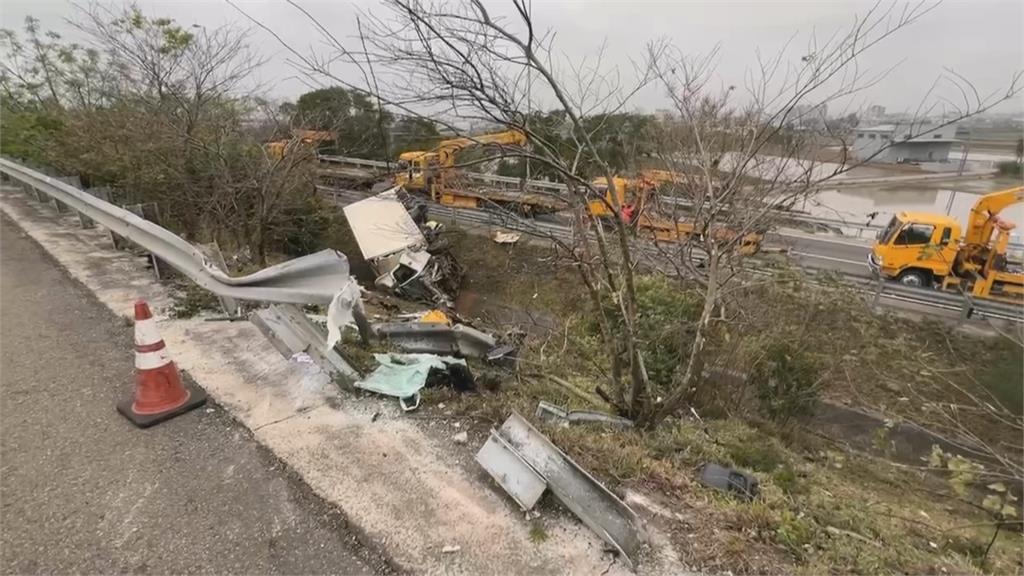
{"x":981,"y":39}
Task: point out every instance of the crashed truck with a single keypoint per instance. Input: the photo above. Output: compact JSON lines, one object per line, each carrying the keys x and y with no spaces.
{"x":407,"y":253}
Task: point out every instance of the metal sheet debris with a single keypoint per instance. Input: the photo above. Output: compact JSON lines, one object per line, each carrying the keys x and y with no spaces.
{"x":729,"y":480}
{"x":382,"y":226}
{"x":549,"y":412}
{"x":595,"y":505}
{"x":291,"y":332}
{"x":459,"y":340}
{"x":508,"y":469}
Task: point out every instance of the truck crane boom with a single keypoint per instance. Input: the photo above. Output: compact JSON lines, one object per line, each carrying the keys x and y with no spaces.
{"x":985,"y":214}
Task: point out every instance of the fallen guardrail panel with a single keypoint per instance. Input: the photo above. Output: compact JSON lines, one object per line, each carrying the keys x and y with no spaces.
{"x":602,"y":511}
{"x":511,"y":472}
{"x":430,"y":338}
{"x":291,"y":332}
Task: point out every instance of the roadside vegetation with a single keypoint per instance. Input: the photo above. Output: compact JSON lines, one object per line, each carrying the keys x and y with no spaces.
{"x":710,"y":363}
{"x":830,"y":502}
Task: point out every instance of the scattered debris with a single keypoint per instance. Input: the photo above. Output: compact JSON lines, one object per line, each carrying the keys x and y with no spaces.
{"x":524,"y":462}
{"x":504,"y":356}
{"x":454,"y":376}
{"x":548,"y":412}
{"x":403,"y":375}
{"x":461,"y":437}
{"x":435,"y":317}
{"x":729,"y":480}
{"x":459,"y":340}
{"x":450,"y":549}
{"x":502,"y":237}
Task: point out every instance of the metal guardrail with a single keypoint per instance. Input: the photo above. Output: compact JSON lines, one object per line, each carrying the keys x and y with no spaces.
{"x":514,"y":182}
{"x":357,"y":161}
{"x":311,"y":279}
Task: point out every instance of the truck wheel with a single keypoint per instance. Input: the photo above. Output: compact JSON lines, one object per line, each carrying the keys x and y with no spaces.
{"x":915,"y":279}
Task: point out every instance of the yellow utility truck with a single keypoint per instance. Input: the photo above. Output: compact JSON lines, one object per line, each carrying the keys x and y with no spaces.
{"x":632,"y":196}
{"x":306,"y":139}
{"x":931,"y":250}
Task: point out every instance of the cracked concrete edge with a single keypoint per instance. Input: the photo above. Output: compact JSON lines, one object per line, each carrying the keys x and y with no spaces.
{"x":394,"y":483}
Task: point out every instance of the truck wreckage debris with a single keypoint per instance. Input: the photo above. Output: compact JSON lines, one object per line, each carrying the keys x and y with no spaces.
{"x":407,"y":253}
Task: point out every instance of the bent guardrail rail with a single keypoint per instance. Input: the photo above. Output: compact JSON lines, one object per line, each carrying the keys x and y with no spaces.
{"x":312,"y":279}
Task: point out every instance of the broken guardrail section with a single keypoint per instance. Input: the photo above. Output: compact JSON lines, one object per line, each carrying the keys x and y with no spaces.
{"x":290,"y":331}
{"x":310,"y":279}
{"x":524,"y":463}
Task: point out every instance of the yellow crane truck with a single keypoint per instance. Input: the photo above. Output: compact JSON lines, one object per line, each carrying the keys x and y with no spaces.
{"x":632,"y":195}
{"x":433,"y":172}
{"x":928,"y":250}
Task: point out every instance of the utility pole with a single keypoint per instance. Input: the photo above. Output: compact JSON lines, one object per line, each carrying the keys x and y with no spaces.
{"x":963,"y":159}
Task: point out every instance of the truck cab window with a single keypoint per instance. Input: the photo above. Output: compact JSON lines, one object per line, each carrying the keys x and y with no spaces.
{"x":886,"y":235}
{"x":946,"y":234}
{"x":914,"y":235}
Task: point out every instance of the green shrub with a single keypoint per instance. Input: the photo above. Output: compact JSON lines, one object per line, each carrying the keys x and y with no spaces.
{"x":794,"y":533}
{"x":1009,"y":168}
{"x":787,"y":380}
{"x":786,"y":479}
{"x":761,"y":454}
{"x":665,"y":314}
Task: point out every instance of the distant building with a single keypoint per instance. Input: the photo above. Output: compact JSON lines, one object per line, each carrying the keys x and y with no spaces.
{"x":809,"y":115}
{"x":874,"y":113}
{"x":931,"y":147}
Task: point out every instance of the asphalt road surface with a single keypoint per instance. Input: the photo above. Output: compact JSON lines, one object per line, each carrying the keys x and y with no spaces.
{"x":84,"y":491}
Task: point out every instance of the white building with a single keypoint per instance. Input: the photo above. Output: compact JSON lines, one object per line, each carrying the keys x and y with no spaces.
{"x":892,"y":143}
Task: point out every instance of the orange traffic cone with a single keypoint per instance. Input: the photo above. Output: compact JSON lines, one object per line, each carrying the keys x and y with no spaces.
{"x":160,"y":393}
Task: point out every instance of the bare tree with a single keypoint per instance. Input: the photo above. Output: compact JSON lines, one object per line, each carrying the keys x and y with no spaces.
{"x":741,"y":156}
{"x":734,"y":161}
{"x":182,"y":88}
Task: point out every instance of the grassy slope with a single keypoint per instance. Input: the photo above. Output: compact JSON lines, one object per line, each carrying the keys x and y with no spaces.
{"x":822,"y":509}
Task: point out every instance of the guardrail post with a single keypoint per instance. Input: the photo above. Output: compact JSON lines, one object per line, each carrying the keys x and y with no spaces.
{"x":33,"y":192}
{"x":966,"y":310}
{"x":878,"y":291}
{"x":105,"y":194}
{"x":150,"y":212}
{"x":70,"y":180}
{"x":227,"y":303}
{"x":84,"y":220}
